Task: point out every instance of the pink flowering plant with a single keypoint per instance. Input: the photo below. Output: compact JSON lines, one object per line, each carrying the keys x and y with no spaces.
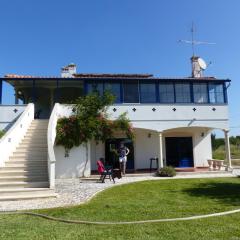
{"x":90,"y":121}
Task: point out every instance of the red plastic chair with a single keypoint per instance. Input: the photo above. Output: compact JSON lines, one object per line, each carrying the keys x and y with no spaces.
{"x":104,"y":172}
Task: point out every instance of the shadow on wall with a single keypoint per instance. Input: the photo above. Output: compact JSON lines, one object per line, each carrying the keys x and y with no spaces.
{"x":226,"y":193}
{"x":11,"y":123}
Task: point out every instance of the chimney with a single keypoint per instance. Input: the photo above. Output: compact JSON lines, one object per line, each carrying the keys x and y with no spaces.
{"x":197,"y":70}
{"x":69,"y":70}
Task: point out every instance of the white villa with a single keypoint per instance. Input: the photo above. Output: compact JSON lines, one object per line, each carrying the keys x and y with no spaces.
{"x":172,"y":118}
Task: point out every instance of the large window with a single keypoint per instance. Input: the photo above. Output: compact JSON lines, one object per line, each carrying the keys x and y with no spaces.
{"x":95,"y":87}
{"x":131,"y":92}
{"x":216,"y":93}
{"x":148,"y":92}
{"x":166,"y":92}
{"x":115,"y":89}
{"x":182,"y":91}
{"x":200,"y":93}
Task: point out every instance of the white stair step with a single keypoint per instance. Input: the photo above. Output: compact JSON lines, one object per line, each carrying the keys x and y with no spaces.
{"x":26,"y":168}
{"x":33,"y":144}
{"x":35,"y":135}
{"x":29,"y":154}
{"x":25,"y":174}
{"x":23,"y":179}
{"x":27,"y":196}
{"x":31,"y":148}
{"x":8,"y":185}
{"x":22,"y":192}
{"x":4,"y":172}
{"x":34,"y":140}
{"x":25,"y":164}
{"x":37,"y":130}
{"x":24,"y":160}
{"x":33,"y":158}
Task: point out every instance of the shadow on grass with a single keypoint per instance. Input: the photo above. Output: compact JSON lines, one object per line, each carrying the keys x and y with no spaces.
{"x":226,"y":193}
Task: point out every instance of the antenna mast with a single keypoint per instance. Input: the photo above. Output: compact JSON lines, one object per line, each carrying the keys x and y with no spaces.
{"x":194,"y":42}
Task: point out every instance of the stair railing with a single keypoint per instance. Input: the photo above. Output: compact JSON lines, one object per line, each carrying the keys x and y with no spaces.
{"x":51,"y":141}
{"x":15,"y":134}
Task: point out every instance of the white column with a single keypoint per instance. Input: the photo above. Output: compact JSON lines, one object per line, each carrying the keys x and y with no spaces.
{"x":227,"y":148}
{"x":16,"y":96}
{"x":160,"y":156}
{"x":87,"y":166}
{"x":51,"y":98}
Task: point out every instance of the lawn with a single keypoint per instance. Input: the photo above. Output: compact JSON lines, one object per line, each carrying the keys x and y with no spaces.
{"x":220,"y":152}
{"x":139,"y":201}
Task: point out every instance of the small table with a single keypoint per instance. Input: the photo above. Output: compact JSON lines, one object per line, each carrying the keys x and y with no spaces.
{"x":151,"y":161}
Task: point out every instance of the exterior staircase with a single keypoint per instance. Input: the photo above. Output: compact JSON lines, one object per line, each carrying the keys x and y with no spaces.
{"x":25,"y":174}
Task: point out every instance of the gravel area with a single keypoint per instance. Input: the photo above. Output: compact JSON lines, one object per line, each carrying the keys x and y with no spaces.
{"x":75,"y":191}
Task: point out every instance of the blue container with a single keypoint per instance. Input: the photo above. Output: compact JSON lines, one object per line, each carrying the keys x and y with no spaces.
{"x":185,"y":162}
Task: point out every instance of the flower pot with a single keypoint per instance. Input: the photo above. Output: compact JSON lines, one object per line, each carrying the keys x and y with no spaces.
{"x":219,"y":164}
{"x":210,"y":163}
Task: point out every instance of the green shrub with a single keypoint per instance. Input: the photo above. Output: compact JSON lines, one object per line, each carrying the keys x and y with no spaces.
{"x":167,"y":172}
{"x":1,"y":133}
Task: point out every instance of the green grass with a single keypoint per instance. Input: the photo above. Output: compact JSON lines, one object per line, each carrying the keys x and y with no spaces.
{"x":1,"y":133}
{"x":220,"y":153}
{"x":139,"y":201}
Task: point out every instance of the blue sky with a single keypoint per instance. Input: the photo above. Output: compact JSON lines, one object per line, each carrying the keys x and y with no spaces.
{"x":127,"y":36}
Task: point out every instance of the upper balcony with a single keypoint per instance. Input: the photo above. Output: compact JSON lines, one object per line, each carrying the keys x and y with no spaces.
{"x":163,"y":90}
{"x":169,"y":101}
{"x":128,"y":88}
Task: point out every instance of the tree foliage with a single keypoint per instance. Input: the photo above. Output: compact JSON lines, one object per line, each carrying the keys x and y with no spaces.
{"x":1,"y":133}
{"x":90,"y":121}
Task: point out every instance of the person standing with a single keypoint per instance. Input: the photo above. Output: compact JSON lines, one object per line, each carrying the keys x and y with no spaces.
{"x":123,"y":151}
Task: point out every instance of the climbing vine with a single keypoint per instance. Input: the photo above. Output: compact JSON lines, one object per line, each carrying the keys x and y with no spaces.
{"x":90,"y":121}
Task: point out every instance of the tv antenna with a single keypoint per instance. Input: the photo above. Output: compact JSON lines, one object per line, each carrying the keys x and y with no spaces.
{"x":194,"y":42}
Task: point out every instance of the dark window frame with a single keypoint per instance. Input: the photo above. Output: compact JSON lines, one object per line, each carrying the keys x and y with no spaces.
{"x":140,"y":91}
{"x":174,"y":92}
{"x":138,"y":87}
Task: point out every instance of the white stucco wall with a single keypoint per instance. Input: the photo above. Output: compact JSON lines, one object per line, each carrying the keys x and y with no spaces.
{"x":74,"y":165}
{"x":164,"y":117}
{"x":212,"y":116}
{"x":202,"y":148}
{"x":146,"y":146}
{"x":97,"y":152}
{"x":183,"y":122}
{"x":15,"y":134}
{"x":8,"y":114}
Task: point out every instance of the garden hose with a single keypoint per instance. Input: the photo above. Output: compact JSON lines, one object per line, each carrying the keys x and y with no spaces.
{"x":121,"y":222}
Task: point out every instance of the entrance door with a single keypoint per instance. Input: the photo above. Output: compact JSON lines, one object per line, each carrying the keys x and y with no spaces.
{"x":179,"y":150}
{"x":111,"y":156}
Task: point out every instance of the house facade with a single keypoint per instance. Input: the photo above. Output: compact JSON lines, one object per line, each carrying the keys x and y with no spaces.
{"x":172,"y":117}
